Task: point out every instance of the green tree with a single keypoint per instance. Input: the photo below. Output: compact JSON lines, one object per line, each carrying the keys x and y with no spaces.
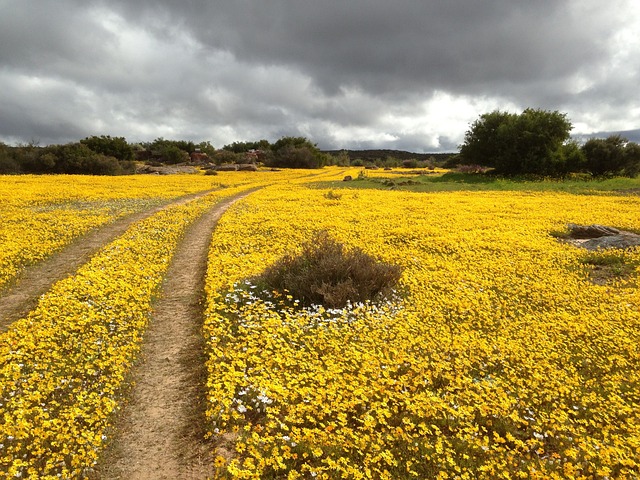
{"x":483,"y":144}
{"x":7,"y":163}
{"x":632,"y":160}
{"x":340,"y":158}
{"x":207,"y":148}
{"x":221,"y":157}
{"x":296,"y":152}
{"x":116,"y":147}
{"x":77,"y":158}
{"x":606,"y":156}
{"x":242,"y":147}
{"x":528,"y":143}
{"x":172,"y":154}
{"x":570,"y":158}
{"x":70,"y":158}
{"x":28,"y":158}
{"x":170,"y":151}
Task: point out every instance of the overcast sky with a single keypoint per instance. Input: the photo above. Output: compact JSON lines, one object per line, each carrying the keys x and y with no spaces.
{"x":402,"y":74}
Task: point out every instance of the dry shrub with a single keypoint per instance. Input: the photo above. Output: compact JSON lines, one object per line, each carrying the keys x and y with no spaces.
{"x":328,"y":274}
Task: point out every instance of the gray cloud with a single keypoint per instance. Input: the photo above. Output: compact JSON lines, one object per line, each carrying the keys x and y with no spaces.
{"x":409,"y":74}
{"x":473,"y":47}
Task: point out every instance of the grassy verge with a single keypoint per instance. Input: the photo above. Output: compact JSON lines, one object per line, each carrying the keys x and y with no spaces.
{"x":454,"y":181}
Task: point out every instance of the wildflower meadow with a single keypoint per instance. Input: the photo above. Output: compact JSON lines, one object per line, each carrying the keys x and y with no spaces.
{"x":501,"y":352}
{"x":497,"y":358}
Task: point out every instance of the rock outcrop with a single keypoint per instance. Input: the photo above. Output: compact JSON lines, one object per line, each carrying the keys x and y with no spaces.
{"x":593,"y":237}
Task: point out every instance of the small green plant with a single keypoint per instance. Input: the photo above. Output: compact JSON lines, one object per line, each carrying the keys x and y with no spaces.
{"x":563,"y":234}
{"x":604,"y":259}
{"x":331,"y":195}
{"x":608,"y":265}
{"x":327,"y":273}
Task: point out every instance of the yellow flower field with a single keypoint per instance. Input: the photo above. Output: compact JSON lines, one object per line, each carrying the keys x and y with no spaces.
{"x":62,"y":366}
{"x":41,"y":214}
{"x":499,"y":358}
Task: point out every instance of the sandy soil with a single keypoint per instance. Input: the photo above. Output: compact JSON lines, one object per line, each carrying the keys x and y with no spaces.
{"x":159,"y":433}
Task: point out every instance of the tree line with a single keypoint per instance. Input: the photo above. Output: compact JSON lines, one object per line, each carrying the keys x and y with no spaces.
{"x":106,"y":155}
{"x":538,"y":142}
{"x":534,"y":142}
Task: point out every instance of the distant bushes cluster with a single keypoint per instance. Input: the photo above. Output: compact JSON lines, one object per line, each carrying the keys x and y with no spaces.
{"x":105,"y":155}
{"x":429,"y":163}
{"x":73,"y":158}
{"x":535,"y":142}
{"x":98,"y":155}
{"x":287,"y":152}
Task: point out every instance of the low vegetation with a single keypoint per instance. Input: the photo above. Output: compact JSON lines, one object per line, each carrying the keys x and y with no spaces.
{"x":327,"y":273}
{"x":614,"y":265}
{"x":447,"y":181}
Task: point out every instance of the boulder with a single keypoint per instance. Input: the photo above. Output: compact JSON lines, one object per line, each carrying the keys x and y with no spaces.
{"x":227,"y":167}
{"x":247,"y":167}
{"x":594,"y":237}
{"x":591,"y":231}
{"x":623,"y":241}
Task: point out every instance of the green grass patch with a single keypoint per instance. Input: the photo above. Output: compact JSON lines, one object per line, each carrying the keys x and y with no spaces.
{"x":610,"y":265}
{"x":456,"y":181}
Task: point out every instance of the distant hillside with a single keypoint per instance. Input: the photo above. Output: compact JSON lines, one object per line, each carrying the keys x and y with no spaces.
{"x":372,"y":155}
{"x":631,"y":135}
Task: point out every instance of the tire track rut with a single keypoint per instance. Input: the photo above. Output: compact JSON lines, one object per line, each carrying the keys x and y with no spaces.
{"x":159,"y":434}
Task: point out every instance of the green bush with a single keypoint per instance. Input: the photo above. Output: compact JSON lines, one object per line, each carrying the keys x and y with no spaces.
{"x":327,"y":273}
{"x":610,"y":265}
{"x":172,"y":155}
{"x":410,"y":163}
{"x":611,"y":156}
{"x":7,"y":163}
{"x":295,"y":152}
{"x":116,"y":147}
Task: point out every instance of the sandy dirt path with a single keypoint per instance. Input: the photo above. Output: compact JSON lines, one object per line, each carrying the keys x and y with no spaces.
{"x":23,"y":294}
{"x":159,"y":434}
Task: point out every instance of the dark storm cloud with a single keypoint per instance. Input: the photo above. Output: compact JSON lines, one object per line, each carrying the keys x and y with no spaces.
{"x":471,"y":47}
{"x":371,"y":73}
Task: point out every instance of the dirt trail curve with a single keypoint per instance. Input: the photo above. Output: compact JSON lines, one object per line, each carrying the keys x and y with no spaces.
{"x":159,"y":433}
{"x":22,"y":296}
